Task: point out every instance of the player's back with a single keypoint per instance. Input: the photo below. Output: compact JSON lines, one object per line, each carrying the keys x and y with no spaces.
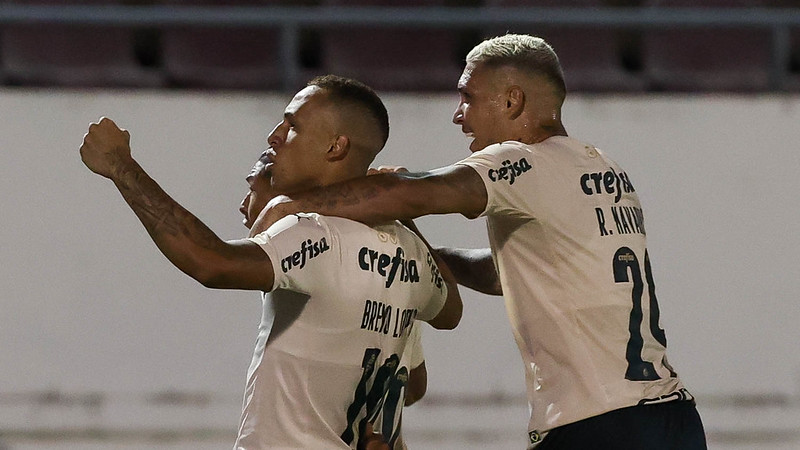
{"x":568,"y":235}
{"x":333,"y":331}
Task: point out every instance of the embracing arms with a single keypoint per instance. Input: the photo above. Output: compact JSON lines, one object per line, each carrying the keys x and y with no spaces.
{"x":397,"y":196}
{"x":188,"y":243}
{"x":385,"y":197}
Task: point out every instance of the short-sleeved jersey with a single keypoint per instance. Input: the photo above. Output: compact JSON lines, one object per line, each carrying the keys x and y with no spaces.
{"x":568,"y":237}
{"x":333,"y":330}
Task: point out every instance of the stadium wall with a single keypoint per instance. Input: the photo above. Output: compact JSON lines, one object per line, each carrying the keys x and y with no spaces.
{"x":89,"y":304}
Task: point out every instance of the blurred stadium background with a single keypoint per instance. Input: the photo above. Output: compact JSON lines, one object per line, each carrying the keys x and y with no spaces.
{"x":95,"y":358}
{"x":397,"y":45}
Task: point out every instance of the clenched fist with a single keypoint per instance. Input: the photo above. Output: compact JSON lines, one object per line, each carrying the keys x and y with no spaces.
{"x":106,"y":148}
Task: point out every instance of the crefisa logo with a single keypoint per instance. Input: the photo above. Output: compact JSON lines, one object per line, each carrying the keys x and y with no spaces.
{"x":510,"y":171}
{"x":389,"y":266}
{"x":308,"y":250}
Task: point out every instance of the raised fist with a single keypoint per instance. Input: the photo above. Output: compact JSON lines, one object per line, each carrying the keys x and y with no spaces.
{"x":105,"y":147}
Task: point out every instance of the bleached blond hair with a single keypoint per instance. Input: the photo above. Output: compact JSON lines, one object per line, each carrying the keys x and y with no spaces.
{"x":527,"y":53}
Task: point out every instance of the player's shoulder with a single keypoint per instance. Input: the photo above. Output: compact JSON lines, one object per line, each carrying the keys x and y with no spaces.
{"x":351,"y":231}
{"x":315,"y":220}
{"x":293,"y":225}
{"x":515,"y":150}
{"x":506,"y":147}
{"x":564,"y":152}
{"x":347,"y":231}
{"x":495,"y":155}
{"x":295,"y":221}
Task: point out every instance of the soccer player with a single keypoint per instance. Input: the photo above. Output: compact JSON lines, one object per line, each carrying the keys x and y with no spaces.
{"x":344,"y":296}
{"x":260,"y":191}
{"x":568,"y":239}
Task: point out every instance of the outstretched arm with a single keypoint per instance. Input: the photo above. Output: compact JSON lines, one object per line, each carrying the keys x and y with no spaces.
{"x":188,"y":243}
{"x":473,"y":268}
{"x":385,"y":197}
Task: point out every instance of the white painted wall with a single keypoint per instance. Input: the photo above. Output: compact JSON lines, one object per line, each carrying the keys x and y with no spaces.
{"x":87,"y":303}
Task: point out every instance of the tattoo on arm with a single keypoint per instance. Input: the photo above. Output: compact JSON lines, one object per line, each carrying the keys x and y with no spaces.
{"x":347,"y":195}
{"x":385,"y":197}
{"x":162,"y":216}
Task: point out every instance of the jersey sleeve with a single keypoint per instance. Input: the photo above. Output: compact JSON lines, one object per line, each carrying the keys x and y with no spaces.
{"x":413,"y":350}
{"x":300,"y":247}
{"x":507,"y":171}
{"x":437,"y":289}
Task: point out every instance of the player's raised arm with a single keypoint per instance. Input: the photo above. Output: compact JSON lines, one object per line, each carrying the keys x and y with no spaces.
{"x":387,"y":196}
{"x":188,"y":243}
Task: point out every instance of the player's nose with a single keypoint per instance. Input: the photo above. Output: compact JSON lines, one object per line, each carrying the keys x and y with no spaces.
{"x":458,"y":116}
{"x":245,"y":203}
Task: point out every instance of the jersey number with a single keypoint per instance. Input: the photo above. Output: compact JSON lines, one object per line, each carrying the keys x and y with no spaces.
{"x":627,"y":269}
{"x":385,"y":393}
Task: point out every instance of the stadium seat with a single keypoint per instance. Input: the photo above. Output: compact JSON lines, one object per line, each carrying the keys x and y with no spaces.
{"x":716,"y":59}
{"x":792,"y":79}
{"x":793,"y":75}
{"x":392,"y":59}
{"x":72,"y":55}
{"x":594,"y":59}
{"x":208,"y":57}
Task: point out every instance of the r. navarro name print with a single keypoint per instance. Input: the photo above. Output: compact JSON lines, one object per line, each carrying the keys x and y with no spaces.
{"x":308,"y":250}
{"x":389,"y":267}
{"x":510,"y":171}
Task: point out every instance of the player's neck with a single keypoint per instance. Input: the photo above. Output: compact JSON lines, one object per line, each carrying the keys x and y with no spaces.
{"x":539,"y":133}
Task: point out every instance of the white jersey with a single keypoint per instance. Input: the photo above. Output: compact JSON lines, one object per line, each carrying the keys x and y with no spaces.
{"x":333,"y":331}
{"x":413,"y":355}
{"x":568,"y":237}
{"x":412,"y":358}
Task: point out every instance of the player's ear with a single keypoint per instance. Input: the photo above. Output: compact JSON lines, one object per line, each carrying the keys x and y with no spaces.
{"x":515,"y":101}
{"x":339,"y":148}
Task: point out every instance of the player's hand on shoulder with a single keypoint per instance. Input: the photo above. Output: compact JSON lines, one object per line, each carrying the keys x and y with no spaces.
{"x":105,"y":147}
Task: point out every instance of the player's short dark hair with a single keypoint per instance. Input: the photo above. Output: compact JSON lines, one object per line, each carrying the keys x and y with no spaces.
{"x":352,"y":92}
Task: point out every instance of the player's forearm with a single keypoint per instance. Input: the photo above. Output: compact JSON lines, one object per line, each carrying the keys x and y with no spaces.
{"x":375,"y":199}
{"x":473,"y":268}
{"x":388,"y":196}
{"x":180,"y":236}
